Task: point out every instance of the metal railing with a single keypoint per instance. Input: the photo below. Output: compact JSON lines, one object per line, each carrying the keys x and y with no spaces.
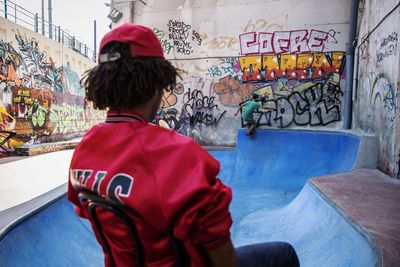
{"x":29,"y":20}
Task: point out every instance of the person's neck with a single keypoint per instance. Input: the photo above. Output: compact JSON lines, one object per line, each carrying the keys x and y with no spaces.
{"x":147,"y":110}
{"x":144,"y":111}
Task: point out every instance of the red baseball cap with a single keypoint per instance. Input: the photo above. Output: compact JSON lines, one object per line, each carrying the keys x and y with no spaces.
{"x":141,"y":40}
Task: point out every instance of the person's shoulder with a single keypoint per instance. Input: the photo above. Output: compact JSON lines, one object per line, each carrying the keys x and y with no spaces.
{"x":162,"y":139}
{"x":165,"y":131}
{"x":89,"y":135}
{"x":170,"y":136}
{"x":246,"y":103}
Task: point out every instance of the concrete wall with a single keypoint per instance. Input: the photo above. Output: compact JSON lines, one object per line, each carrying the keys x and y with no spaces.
{"x":377,"y":94}
{"x":40,"y":96}
{"x":124,"y":7}
{"x":290,"y":52}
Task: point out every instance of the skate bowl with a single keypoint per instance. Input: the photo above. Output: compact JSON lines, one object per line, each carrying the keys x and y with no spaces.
{"x":272,"y":200}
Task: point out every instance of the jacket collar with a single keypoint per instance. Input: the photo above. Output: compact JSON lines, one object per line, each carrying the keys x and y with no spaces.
{"x":121,"y":115}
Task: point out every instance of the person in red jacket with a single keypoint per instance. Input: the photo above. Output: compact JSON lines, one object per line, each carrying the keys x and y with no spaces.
{"x":166,"y":177}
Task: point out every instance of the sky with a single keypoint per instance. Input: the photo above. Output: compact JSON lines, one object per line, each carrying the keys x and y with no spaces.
{"x":76,"y":16}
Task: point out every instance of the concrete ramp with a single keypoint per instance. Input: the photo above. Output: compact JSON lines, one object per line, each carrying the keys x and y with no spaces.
{"x":272,"y":201}
{"x":287,"y":158}
{"x":321,"y":235}
{"x":269,"y":169}
{"x":54,"y":236}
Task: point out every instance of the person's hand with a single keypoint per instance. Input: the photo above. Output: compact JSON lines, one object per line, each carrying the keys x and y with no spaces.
{"x":267,"y":108}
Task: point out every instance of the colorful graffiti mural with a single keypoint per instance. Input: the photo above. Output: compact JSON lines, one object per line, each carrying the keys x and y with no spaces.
{"x":300,"y":67}
{"x":231,"y":92}
{"x":39,"y":101}
{"x":301,"y":79}
{"x":313,"y":104}
{"x":40,"y":71}
{"x":296,"y":72}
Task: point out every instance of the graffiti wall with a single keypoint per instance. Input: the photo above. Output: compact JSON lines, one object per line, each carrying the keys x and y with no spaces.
{"x":229,"y":52}
{"x":377,"y":96}
{"x":40,"y":96}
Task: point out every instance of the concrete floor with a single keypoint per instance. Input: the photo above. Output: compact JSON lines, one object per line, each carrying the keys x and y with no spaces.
{"x":23,"y":180}
{"x":372,"y":200}
{"x":11,"y":159}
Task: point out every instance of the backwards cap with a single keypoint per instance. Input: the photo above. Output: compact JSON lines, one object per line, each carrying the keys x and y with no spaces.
{"x":141,"y":40}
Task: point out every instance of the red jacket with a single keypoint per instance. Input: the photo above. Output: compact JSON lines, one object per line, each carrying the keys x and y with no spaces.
{"x":168,"y":178}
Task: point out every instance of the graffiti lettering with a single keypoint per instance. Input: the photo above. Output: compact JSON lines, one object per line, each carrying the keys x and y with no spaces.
{"x":214,"y":72}
{"x":392,"y":38}
{"x":282,"y":42}
{"x":164,"y":42}
{"x":388,"y":51}
{"x":228,"y":66}
{"x":300,"y":67}
{"x":196,"y":37}
{"x":179,"y":33}
{"x":388,"y":47}
{"x":219,"y":71}
{"x":261,"y":25}
{"x":67,"y":118}
{"x":196,"y":100}
{"x":318,"y":105}
{"x":204,"y":118}
{"x":221,"y":42}
{"x":332,"y":36}
{"x":200,"y":108}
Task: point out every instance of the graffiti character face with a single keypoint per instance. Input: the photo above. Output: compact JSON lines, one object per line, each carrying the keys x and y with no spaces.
{"x":35,"y":105}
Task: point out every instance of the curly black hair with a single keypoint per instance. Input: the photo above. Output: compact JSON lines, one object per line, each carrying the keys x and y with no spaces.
{"x":127,"y":82}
